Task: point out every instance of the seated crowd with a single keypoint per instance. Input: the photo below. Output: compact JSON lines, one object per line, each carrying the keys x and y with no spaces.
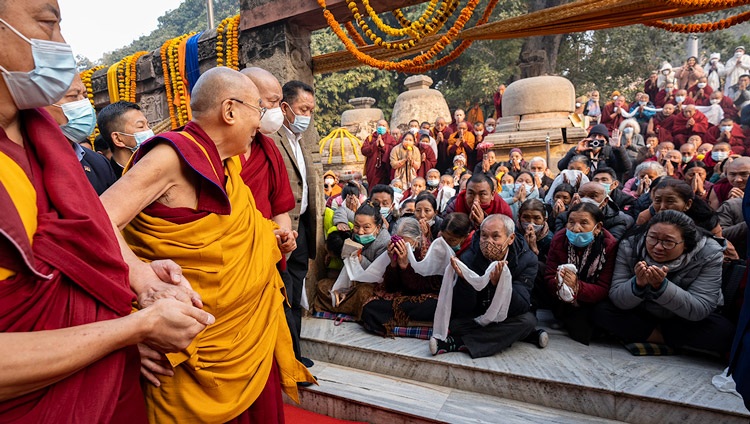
{"x":630,"y":240}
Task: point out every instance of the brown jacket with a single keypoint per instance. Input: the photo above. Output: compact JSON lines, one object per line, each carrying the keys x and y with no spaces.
{"x":315,"y":216}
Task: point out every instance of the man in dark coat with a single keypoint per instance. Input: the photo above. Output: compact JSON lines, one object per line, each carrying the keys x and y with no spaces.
{"x":601,"y":151}
{"x":496,"y":242}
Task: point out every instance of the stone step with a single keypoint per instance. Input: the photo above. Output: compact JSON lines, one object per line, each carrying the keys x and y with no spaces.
{"x":351,"y":394}
{"x":602,"y":380}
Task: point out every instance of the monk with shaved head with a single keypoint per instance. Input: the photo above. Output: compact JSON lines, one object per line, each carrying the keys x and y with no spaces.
{"x":183,"y":198}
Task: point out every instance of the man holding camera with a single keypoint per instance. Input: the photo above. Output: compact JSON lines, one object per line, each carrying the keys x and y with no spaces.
{"x":601,"y":150}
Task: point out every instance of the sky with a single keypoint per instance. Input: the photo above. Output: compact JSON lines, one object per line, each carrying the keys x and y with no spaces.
{"x":93,"y":28}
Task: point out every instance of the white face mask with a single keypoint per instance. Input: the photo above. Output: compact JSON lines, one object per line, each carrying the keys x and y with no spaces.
{"x":490,"y":128}
{"x":715,"y":101}
{"x":271,"y":121}
{"x":701,"y":85}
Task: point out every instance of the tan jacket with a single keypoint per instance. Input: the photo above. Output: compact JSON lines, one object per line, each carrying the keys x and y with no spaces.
{"x":295,"y":180}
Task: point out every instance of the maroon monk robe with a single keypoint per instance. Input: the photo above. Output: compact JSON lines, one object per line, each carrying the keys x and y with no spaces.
{"x":737,"y":139}
{"x":497,"y":99}
{"x":378,"y":159}
{"x":212,"y":198}
{"x":608,"y":121}
{"x":700,"y":95}
{"x":663,"y":97}
{"x":652,"y":89}
{"x":727,"y":105}
{"x":265,"y":173}
{"x":73,"y":274}
{"x":497,"y":205}
{"x":681,"y":131}
{"x":429,"y":160}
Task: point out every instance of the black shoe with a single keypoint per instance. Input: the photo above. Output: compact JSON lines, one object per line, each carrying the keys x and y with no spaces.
{"x":539,"y":337}
{"x":306,"y":383}
{"x":450,"y":344}
{"x":307,"y":362}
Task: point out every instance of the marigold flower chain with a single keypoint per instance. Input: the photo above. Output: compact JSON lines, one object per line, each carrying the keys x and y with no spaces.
{"x":167,"y":83}
{"x":354,"y":34}
{"x":413,"y":29}
{"x":706,"y":3}
{"x":86,"y":79}
{"x":418,"y":63}
{"x":703,"y":27}
{"x":227,"y":42}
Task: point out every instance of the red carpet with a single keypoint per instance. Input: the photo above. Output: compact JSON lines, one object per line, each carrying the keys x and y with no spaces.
{"x":295,"y":415}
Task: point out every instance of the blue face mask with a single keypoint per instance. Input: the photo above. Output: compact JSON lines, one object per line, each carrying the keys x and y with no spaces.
{"x":385,"y":212}
{"x":381,"y":130}
{"x":607,"y":188}
{"x":508,"y":187}
{"x":81,"y":120}
{"x":140,"y":137}
{"x":719,"y":156}
{"x":456,"y":248}
{"x":54,"y":70}
{"x":397,"y":190}
{"x":364,"y":239}
{"x":725,"y":128}
{"x":580,"y":239}
{"x":301,"y":122}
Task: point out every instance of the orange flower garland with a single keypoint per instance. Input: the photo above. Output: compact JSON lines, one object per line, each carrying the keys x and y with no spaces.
{"x":420,"y":62}
{"x":227,"y":43}
{"x":180,"y":115}
{"x":168,"y":82}
{"x":416,"y":30}
{"x":706,"y":3}
{"x":704,"y":27}
{"x":354,"y":34}
{"x":86,"y":79}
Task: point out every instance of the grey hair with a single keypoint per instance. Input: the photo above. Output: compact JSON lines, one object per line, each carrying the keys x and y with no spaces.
{"x":538,"y":159}
{"x":408,"y":227}
{"x":633,"y":123}
{"x":510,"y":226}
{"x":650,"y":166}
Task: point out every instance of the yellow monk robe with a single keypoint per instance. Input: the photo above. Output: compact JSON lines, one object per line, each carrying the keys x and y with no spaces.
{"x":231,"y":261}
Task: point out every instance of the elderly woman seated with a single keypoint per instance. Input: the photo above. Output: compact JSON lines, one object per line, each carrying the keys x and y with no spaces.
{"x":666,"y":288}
{"x":405,"y":296}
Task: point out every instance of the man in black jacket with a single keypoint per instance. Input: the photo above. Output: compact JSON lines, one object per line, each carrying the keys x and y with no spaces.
{"x":496,"y":242}
{"x":601,"y":151}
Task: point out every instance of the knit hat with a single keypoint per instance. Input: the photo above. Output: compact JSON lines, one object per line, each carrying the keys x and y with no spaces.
{"x":515,"y":149}
{"x":599,"y":129}
{"x":461,"y":157}
{"x":740,"y":48}
{"x":716,"y":56}
{"x":615,"y":94}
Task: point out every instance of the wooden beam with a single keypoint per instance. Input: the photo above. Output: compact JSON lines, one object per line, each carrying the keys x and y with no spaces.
{"x":308,"y":13}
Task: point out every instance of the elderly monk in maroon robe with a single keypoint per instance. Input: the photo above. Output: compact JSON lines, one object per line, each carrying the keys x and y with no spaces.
{"x":689,"y":122}
{"x":67,"y":335}
{"x":612,"y":113}
{"x":182,"y":196}
{"x":263,"y":168}
{"x":729,"y":132}
{"x":727,"y":105}
{"x":377,"y":151}
{"x":664,"y":96}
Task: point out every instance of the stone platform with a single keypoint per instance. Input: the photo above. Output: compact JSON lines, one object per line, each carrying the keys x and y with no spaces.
{"x":375,"y":379}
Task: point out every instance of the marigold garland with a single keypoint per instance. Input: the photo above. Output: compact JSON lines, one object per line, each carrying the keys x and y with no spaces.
{"x":227,"y":42}
{"x":167,"y":82}
{"x":447,"y":8}
{"x":354,"y":34}
{"x":86,"y":79}
{"x":703,"y":27}
{"x":416,"y":30}
{"x":418,"y":63}
{"x":705,"y":3}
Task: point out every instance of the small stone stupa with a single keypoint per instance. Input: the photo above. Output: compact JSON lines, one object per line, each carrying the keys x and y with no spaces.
{"x":535,"y":109}
{"x":419,"y":102}
{"x":362,"y":120}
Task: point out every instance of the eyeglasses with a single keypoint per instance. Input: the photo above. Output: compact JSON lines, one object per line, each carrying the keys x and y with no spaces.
{"x":666,"y":244}
{"x":262,"y":110}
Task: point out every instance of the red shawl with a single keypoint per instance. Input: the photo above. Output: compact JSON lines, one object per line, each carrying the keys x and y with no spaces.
{"x":73,"y":275}
{"x":497,"y":205}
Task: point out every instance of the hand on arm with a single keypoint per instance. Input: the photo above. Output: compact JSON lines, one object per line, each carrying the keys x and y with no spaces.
{"x":146,"y":182}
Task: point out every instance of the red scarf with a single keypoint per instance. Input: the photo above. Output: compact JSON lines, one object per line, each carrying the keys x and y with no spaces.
{"x":75,"y":246}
